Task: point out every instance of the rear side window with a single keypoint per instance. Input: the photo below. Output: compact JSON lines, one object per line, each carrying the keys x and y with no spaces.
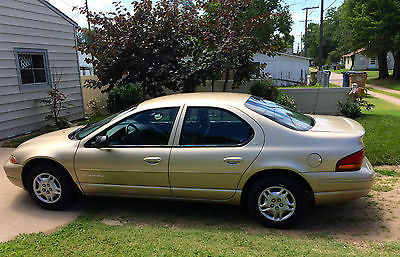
{"x":280,"y":114}
{"x":214,"y":126}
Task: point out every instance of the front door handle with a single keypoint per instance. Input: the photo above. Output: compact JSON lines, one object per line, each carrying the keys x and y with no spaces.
{"x":152,"y":160}
{"x":233,"y":160}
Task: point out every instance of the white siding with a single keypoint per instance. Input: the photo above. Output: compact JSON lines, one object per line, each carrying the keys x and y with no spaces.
{"x":31,"y":24}
{"x":285,"y":68}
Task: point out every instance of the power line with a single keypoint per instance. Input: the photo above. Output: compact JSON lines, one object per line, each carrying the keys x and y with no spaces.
{"x":330,"y":5}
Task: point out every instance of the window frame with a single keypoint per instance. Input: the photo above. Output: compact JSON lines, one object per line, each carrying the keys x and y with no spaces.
{"x":182,"y":123}
{"x":87,"y":144}
{"x":33,"y":86}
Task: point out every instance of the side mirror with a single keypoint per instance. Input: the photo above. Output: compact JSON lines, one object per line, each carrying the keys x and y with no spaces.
{"x":101,"y":141}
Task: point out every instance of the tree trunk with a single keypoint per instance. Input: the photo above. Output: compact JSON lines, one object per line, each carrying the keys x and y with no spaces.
{"x":396,"y":70}
{"x":226,"y":80}
{"x":383,"y":67}
{"x":212,"y":85}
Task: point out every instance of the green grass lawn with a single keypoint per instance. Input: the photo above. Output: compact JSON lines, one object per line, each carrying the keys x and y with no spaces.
{"x":339,"y":71}
{"x":382,"y":138}
{"x":387,"y":83}
{"x":383,"y":92}
{"x":88,"y":237}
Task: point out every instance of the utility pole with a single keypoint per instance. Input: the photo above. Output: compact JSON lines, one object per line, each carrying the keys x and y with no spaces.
{"x":321,"y":35}
{"x":87,"y":15}
{"x":301,"y":42}
{"x":305,"y":30}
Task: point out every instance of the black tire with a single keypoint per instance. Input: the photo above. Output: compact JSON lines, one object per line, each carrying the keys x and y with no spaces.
{"x":61,"y":183}
{"x":290,"y":188}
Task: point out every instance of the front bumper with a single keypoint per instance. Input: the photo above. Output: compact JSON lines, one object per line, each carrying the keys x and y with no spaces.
{"x":14,"y":173}
{"x":330,"y":187}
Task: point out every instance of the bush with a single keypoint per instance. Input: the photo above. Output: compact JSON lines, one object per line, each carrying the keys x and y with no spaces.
{"x":286,"y":100}
{"x":265,"y":89}
{"x":123,"y":96}
{"x":350,"y":109}
{"x":355,"y":101}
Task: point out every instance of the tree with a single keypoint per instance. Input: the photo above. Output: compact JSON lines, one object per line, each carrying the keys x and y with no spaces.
{"x":182,"y":43}
{"x":335,"y":40}
{"x":373,"y":23}
{"x":232,"y":32}
{"x":145,"y":45}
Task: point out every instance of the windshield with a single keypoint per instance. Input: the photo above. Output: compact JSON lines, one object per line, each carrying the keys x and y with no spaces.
{"x":89,"y":128}
{"x":280,"y":114}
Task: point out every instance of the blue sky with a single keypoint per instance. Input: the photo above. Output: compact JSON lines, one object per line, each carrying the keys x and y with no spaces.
{"x":296,"y":11}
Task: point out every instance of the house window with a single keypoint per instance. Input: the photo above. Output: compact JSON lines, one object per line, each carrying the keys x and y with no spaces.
{"x":372,"y":61}
{"x":32,"y":68}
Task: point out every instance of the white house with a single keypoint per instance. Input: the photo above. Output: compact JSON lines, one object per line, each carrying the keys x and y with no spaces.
{"x":362,"y":62}
{"x":285,"y":69}
{"x":36,"y":49}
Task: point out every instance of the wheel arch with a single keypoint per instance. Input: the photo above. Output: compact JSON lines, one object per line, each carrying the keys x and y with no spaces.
{"x":276,"y":172}
{"x":36,"y":161}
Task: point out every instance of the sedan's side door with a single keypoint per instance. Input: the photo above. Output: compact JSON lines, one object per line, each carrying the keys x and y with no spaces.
{"x":134,"y":160}
{"x":214,"y":148}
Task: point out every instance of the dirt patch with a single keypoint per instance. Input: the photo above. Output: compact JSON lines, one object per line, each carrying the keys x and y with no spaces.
{"x":375,"y":217}
{"x":388,"y":167}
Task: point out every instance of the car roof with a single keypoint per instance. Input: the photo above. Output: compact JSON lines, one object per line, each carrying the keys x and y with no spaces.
{"x":199,"y":99}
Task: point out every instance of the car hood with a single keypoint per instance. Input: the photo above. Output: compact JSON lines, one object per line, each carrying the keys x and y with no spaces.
{"x":336,"y":124}
{"x":53,"y":138}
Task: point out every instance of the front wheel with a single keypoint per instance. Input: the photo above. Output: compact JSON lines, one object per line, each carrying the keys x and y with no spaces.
{"x":277,"y":201}
{"x":50,"y":187}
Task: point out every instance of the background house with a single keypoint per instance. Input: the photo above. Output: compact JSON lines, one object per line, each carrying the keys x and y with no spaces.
{"x":85,"y":68}
{"x":36,"y":48}
{"x":362,"y":62}
{"x":286,"y":69}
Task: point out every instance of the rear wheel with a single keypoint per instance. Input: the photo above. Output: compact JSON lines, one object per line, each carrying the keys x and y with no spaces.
{"x":50,"y":187}
{"x":277,"y":201}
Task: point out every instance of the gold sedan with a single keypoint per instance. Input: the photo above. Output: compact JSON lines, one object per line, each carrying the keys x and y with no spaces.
{"x":216,"y":147}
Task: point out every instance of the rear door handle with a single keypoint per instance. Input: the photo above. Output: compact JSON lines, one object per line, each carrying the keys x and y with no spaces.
{"x":233,"y":160}
{"x":152,"y":160}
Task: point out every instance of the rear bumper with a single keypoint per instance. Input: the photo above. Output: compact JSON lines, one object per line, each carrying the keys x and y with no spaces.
{"x":13,"y":172}
{"x":332,"y":187}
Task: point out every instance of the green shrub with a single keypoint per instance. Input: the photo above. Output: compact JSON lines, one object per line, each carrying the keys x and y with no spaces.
{"x":350,"y":109}
{"x":123,"y":96}
{"x":265,"y":89}
{"x":354,"y":102}
{"x":286,"y":100}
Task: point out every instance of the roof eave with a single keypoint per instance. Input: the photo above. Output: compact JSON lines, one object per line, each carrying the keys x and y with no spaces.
{"x":63,"y":15}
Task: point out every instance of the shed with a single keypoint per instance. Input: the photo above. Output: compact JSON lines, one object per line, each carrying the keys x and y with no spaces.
{"x":285,"y":69}
{"x":36,"y":49}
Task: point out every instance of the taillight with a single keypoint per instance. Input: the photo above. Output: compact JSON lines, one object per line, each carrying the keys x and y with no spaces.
{"x":352,"y":162}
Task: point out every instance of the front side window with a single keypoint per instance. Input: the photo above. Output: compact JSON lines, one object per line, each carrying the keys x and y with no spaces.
{"x":147,"y":128}
{"x":280,"y":114}
{"x":32,"y":67}
{"x":214,"y":126}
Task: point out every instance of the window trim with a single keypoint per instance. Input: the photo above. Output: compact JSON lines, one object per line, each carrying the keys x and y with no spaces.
{"x":33,"y":86}
{"x":182,"y":122}
{"x":87,"y":144}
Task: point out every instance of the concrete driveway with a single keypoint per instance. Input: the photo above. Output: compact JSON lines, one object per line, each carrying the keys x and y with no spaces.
{"x":19,"y":214}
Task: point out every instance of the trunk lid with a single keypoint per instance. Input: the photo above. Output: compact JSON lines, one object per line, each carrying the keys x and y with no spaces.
{"x":337,"y":124}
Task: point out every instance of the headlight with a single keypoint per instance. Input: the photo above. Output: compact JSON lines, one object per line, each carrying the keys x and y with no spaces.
{"x":13,"y":159}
